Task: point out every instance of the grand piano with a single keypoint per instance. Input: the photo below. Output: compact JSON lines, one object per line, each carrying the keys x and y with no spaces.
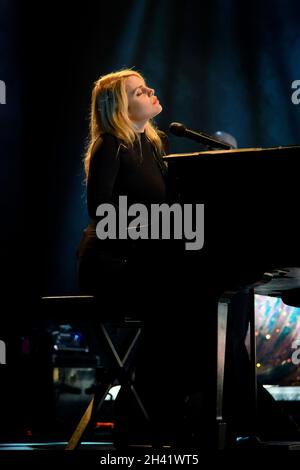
{"x":251,"y":204}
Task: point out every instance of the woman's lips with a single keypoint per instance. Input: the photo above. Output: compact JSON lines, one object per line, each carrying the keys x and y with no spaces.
{"x":155,"y":101}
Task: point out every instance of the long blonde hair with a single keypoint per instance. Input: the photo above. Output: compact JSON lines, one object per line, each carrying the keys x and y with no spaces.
{"x":109,"y":113}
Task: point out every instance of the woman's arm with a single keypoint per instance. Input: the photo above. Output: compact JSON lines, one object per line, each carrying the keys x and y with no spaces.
{"x":103,"y":172}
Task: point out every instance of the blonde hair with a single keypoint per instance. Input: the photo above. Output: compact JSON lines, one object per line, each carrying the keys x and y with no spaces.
{"x":109,"y":113}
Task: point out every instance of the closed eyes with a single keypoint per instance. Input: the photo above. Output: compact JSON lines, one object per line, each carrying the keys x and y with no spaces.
{"x":144,"y":91}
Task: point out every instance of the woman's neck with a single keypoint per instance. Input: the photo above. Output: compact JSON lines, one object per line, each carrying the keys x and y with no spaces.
{"x":140,"y":126}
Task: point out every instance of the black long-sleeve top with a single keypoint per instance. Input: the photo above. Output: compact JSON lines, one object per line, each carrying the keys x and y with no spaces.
{"x":137,"y":172}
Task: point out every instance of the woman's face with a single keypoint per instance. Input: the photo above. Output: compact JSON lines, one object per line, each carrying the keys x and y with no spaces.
{"x":142,"y":103}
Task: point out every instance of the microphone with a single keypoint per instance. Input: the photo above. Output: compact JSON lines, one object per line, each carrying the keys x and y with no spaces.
{"x":181,"y":131}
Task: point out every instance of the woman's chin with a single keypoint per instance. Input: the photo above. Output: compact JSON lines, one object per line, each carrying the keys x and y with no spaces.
{"x":158,"y":110}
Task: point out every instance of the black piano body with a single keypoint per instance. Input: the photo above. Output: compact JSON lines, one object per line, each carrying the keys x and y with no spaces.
{"x":251,"y":204}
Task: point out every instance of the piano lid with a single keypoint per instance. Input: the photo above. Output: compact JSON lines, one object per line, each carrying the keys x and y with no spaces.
{"x":242,"y":152}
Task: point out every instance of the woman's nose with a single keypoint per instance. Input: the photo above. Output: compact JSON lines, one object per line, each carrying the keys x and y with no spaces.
{"x":151,"y":91}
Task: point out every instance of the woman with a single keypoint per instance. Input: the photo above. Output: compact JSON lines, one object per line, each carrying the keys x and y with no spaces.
{"x":123,"y":158}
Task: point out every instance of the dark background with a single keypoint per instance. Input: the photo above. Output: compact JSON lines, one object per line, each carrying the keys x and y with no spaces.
{"x":217,"y":65}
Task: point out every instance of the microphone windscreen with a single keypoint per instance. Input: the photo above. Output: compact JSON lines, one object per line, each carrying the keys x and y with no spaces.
{"x":177,"y":128}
